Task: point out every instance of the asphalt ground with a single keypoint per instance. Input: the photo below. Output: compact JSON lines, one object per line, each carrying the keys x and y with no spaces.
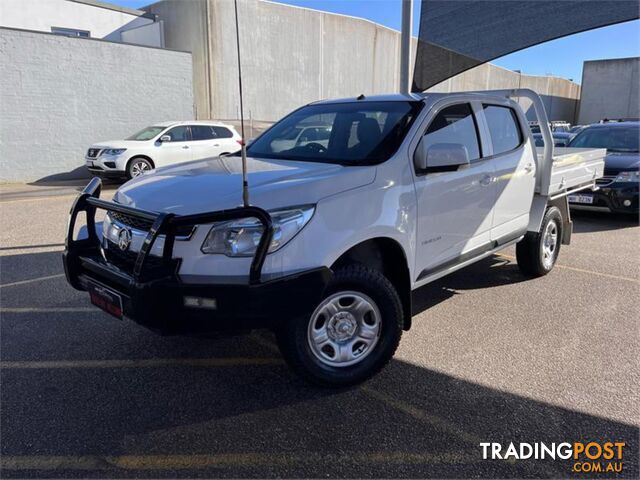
{"x":491,"y":357}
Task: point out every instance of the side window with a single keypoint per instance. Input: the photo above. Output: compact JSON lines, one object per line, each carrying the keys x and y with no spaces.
{"x":179,"y":134}
{"x":455,"y":124}
{"x":503,"y":128}
{"x":202,"y":132}
{"x":222,"y":132}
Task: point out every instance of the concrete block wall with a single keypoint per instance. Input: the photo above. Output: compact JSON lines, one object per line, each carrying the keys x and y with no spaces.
{"x":292,"y":56}
{"x":610,"y":89}
{"x":59,"y":94}
{"x":560,"y":96}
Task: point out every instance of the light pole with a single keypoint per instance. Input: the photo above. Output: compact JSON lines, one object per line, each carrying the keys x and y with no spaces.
{"x":405,"y":45}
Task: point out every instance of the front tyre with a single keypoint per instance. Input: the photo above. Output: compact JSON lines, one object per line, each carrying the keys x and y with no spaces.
{"x":351,"y":335}
{"x":137,"y":167}
{"x":537,"y":252}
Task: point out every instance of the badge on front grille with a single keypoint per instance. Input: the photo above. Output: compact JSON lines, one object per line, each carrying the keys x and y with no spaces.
{"x":124,"y":239}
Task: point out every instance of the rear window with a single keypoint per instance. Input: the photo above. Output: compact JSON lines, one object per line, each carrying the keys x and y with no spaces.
{"x":503,"y":128}
{"x":222,"y":132}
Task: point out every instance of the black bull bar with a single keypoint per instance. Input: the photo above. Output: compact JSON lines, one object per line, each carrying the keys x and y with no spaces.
{"x":162,"y":224}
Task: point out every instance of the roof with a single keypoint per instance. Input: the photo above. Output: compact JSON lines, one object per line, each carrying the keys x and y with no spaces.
{"x":616,"y":124}
{"x":116,"y":8}
{"x":192,"y":122}
{"x":392,"y":97}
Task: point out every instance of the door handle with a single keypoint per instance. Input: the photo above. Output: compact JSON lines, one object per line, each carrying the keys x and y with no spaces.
{"x":216,"y":144}
{"x":528,"y":167}
{"x":185,"y":146}
{"x":486,"y":180}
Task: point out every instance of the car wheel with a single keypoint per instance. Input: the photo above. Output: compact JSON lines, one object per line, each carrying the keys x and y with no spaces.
{"x":138,"y":166}
{"x":537,"y":252}
{"x":352,"y":333}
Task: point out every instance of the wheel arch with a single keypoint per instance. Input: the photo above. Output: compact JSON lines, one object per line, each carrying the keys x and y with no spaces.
{"x":146,"y":157}
{"x":387,"y":256}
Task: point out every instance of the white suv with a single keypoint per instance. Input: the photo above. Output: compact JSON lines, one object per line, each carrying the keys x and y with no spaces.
{"x":162,"y":144}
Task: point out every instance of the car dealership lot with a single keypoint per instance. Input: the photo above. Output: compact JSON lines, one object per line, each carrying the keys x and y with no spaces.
{"x":491,"y":357}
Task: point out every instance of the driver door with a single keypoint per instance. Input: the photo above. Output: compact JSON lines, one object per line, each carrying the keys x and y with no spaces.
{"x":177,"y":150}
{"x":455,"y":208}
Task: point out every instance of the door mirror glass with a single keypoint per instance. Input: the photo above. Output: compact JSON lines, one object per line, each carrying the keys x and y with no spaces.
{"x":441,"y":156}
{"x":165,"y":138}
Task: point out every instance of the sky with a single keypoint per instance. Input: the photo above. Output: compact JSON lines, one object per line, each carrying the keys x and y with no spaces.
{"x":562,"y":57}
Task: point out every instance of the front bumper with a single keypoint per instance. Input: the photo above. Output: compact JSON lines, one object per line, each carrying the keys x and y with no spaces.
{"x":153,"y":294}
{"x":617,"y":197}
{"x":107,"y":167}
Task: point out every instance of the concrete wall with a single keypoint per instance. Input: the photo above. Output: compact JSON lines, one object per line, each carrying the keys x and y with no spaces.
{"x":60,"y":94}
{"x":292,"y":56}
{"x":560,"y":96}
{"x":101,"y":22}
{"x":610,"y":89}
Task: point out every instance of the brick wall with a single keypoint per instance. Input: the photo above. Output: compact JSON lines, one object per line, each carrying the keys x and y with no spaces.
{"x":58,"y":95}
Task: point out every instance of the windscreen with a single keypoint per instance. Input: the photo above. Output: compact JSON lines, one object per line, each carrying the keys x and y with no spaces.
{"x":458,"y":35}
{"x":614,"y":139}
{"x":146,"y":133}
{"x":359,"y":133}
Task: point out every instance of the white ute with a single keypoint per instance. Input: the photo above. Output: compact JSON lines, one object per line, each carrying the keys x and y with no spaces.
{"x":405,"y":189}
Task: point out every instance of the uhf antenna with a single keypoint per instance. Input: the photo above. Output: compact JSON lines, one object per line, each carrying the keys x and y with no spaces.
{"x":243,"y":146}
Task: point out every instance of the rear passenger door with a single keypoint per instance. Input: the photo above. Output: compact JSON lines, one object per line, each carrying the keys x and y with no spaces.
{"x":515,"y":169}
{"x":205,"y":142}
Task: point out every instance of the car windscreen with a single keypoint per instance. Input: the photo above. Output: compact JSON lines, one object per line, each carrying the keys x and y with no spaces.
{"x":614,"y":139}
{"x":146,"y":133}
{"x":358,"y":133}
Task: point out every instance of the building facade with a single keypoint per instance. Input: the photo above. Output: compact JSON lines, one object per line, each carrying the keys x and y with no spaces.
{"x":610,"y":90}
{"x":292,"y":56}
{"x":83,"y":18}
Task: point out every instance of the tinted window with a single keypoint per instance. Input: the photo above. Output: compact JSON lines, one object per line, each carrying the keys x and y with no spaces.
{"x":201,"y":132}
{"x":357,"y":133}
{"x":455,"y":124}
{"x":614,"y":139}
{"x":179,"y":134}
{"x":222,"y":132}
{"x":503,"y":128}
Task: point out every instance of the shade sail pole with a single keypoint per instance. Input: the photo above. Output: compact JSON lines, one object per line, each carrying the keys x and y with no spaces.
{"x":243,"y":146}
{"x":405,"y":45}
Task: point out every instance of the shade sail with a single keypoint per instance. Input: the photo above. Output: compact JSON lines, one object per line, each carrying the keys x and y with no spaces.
{"x":456,"y":35}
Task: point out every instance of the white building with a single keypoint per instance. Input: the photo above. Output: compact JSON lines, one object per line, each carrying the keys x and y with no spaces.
{"x":83,"y":18}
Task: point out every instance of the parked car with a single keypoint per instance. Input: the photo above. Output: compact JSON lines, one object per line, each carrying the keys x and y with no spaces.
{"x":618,"y":189}
{"x":560,"y":139}
{"x":555,"y":126}
{"x":409,"y":189}
{"x":159,"y":145}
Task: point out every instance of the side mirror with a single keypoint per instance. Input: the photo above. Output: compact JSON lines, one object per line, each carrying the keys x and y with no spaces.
{"x":165,"y":138}
{"x":440,"y":156}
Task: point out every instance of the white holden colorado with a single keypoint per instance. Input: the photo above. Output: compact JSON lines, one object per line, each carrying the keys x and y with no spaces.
{"x":400,"y":190}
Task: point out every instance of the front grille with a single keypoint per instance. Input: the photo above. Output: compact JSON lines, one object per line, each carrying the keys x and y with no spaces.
{"x":144,"y":225}
{"x":125,"y":260}
{"x":93,"y":152}
{"x":606,"y":180}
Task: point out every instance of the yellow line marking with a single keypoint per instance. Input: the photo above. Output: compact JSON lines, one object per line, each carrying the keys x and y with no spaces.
{"x":582,"y":270}
{"x":248,"y":459}
{"x":142,"y":363}
{"x":423,"y":416}
{"x":49,"y":310}
{"x":39,"y":279}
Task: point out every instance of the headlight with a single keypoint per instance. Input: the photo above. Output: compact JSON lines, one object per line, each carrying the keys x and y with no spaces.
{"x":240,"y":238}
{"x":113,"y":151}
{"x":633,"y":176}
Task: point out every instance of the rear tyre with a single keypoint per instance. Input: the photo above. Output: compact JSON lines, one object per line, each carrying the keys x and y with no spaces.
{"x":537,"y":252}
{"x":352,"y":334}
{"x":138,"y":166}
